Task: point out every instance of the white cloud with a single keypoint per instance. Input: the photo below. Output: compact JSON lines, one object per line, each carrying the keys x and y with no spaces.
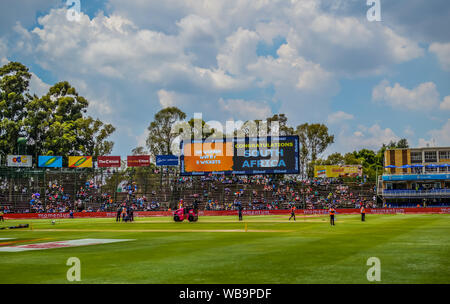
{"x":37,"y":86}
{"x":195,"y":54}
{"x":402,"y":48}
{"x":166,"y":99}
{"x":424,"y":97}
{"x":3,"y":52}
{"x":338,"y":117}
{"x":245,"y":109}
{"x":371,"y":137}
{"x":445,"y":105}
{"x":439,"y":137}
{"x":238,"y":52}
{"x":442,"y":51}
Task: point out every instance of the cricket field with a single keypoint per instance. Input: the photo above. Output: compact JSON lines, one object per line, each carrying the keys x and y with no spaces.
{"x":260,"y":249}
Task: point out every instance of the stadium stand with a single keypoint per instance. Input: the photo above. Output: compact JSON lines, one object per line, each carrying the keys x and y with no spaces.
{"x":61,"y":191}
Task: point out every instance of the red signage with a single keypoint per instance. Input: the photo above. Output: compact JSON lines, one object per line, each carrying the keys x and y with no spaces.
{"x":310,"y":212}
{"x":108,"y":161}
{"x":138,"y":161}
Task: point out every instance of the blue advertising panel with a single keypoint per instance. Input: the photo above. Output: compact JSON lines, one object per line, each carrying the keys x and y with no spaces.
{"x":166,"y":160}
{"x":50,"y":161}
{"x":246,"y":156}
{"x":412,"y":177}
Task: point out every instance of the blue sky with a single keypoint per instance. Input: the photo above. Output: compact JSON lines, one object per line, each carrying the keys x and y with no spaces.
{"x":315,"y":61}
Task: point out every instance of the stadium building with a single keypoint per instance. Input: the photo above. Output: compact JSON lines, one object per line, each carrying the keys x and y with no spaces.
{"x":416,"y":176}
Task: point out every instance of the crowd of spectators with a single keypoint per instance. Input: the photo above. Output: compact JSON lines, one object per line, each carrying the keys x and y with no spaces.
{"x":215,"y":192}
{"x":54,"y":200}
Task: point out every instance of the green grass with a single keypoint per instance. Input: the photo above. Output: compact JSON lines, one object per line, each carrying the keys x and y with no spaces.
{"x":411,"y":248}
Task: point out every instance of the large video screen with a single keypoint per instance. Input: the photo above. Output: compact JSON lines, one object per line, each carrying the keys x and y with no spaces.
{"x":250,"y":155}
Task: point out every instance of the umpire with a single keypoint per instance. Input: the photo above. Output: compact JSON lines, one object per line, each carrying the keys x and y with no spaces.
{"x":119,"y":211}
{"x":240,"y":211}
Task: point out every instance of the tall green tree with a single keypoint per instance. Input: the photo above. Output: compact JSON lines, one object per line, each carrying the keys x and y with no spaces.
{"x":256,"y":127}
{"x":161,"y":137}
{"x":14,"y":82}
{"x":314,"y":139}
{"x":282,"y":120}
{"x":57,"y":124}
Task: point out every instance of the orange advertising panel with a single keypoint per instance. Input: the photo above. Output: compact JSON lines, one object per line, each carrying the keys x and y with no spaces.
{"x":208,"y":157}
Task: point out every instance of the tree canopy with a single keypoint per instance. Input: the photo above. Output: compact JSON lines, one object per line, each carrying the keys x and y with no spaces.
{"x":54,"y":124}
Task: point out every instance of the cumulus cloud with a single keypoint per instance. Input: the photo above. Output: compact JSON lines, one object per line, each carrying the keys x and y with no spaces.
{"x":442,"y":51}
{"x":22,"y":11}
{"x":166,"y":99}
{"x":445,"y":105}
{"x":367,"y":137}
{"x":338,"y":117}
{"x":245,"y":109}
{"x":238,"y":52}
{"x":3,"y":52}
{"x":438,"y":137}
{"x":37,"y":86}
{"x":424,"y":97}
{"x":202,"y":54}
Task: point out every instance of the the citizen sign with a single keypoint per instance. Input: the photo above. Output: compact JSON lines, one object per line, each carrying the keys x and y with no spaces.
{"x":108,"y":161}
{"x":138,"y":161}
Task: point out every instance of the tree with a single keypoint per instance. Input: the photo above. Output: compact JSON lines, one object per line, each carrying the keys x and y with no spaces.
{"x":14,"y":82}
{"x":139,"y":151}
{"x":54,"y":124}
{"x":333,"y":159}
{"x":314,"y":139}
{"x":403,"y":143}
{"x":284,"y":129}
{"x":160,"y":137}
{"x":250,"y":127}
{"x":57,"y":124}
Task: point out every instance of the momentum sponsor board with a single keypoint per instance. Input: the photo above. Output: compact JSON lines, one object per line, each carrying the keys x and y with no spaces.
{"x":138,"y":161}
{"x":19,"y":160}
{"x":227,"y":212}
{"x":80,"y":161}
{"x":108,"y":161}
{"x":254,"y":155}
{"x":50,"y":161}
{"x":337,"y":170}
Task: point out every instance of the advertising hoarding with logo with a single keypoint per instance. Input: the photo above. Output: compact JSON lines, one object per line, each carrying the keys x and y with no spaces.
{"x":338,"y":171}
{"x":108,"y":161}
{"x":167,"y":160}
{"x":138,"y":160}
{"x":50,"y":161}
{"x":19,"y":160}
{"x":80,"y":161}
